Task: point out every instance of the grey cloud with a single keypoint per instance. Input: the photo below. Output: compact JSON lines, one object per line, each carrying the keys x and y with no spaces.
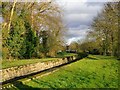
{"x":74,"y":32}
{"x":95,"y":3}
{"x":102,"y":1}
{"x":78,"y":17}
{"x":77,"y":7}
{"x":75,"y":20}
{"x":1,"y":19}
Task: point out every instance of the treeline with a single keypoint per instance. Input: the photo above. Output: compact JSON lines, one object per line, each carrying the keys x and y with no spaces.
{"x":106,"y":29}
{"x":104,"y":37}
{"x":31,"y":29}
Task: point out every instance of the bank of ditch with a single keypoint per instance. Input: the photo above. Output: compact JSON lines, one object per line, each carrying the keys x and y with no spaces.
{"x":22,"y":68}
{"x":90,"y":72}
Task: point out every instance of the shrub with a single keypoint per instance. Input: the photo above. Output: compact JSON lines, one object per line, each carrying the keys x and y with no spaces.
{"x":82,"y":55}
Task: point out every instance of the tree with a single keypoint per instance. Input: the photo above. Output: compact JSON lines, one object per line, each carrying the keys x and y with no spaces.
{"x":74,"y":46}
{"x":11,"y":15}
{"x":14,"y":41}
{"x":105,"y":28}
{"x":118,"y":46}
{"x":23,"y":26}
{"x":44,"y":42}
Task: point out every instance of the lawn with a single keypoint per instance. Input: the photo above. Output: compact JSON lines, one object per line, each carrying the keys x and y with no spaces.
{"x":90,"y":72}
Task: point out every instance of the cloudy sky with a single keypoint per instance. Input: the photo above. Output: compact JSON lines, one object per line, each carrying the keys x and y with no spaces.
{"x":78,"y":15}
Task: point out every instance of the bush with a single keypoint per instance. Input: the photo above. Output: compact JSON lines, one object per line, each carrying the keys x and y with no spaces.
{"x":82,"y":55}
{"x":95,"y":52}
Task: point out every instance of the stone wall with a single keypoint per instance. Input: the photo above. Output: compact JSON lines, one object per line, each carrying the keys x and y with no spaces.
{"x":10,"y":73}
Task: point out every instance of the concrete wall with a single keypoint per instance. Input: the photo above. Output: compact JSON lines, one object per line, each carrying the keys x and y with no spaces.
{"x":10,"y":73}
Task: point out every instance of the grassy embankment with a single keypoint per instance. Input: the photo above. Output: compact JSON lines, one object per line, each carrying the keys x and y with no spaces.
{"x":91,"y":72}
{"x":13,"y":63}
{"x":7,"y":64}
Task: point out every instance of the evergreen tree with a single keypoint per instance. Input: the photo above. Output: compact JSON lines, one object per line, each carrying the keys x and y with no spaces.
{"x":15,"y":40}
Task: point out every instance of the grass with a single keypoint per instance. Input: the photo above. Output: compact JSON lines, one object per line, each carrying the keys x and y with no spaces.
{"x":13,"y":63}
{"x":7,"y":64}
{"x":101,"y":57}
{"x":91,"y":72}
{"x":64,"y":54}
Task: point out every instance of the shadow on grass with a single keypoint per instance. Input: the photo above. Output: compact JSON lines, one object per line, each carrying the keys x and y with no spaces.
{"x":49,"y":86}
{"x":20,"y":86}
{"x":106,"y":57}
{"x":92,"y":58}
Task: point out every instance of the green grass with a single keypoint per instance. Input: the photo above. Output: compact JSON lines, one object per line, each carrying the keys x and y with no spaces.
{"x":7,"y":64}
{"x":64,"y":54}
{"x":13,"y":63}
{"x":91,"y":72}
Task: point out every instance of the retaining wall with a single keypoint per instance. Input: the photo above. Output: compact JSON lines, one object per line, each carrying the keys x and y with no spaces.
{"x":12,"y":72}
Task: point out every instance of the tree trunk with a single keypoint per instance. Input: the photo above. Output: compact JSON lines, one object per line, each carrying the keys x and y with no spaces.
{"x":12,"y":11}
{"x":112,"y":41}
{"x":118,"y":32}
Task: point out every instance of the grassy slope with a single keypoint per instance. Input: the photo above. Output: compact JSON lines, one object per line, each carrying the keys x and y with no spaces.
{"x":91,"y":72}
{"x":7,"y":64}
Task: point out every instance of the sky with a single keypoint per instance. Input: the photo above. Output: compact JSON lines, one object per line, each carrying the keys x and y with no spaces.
{"x":78,"y":16}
